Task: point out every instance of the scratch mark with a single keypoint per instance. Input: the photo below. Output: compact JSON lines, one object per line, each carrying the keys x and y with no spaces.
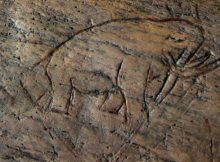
{"x":186,"y":109}
{"x":121,"y":91}
{"x":165,"y":93}
{"x":49,"y":77}
{"x":127,"y":141}
{"x":199,"y":61}
{"x":179,"y":59}
{"x":197,"y":12}
{"x":193,"y":52}
{"x":211,"y":147}
{"x":67,"y":143}
{"x":27,"y":92}
{"x":207,"y":68}
{"x":12,"y":98}
{"x":27,"y":154}
{"x":118,"y":72}
{"x":71,"y":98}
{"x":161,"y":89}
{"x":104,"y":101}
{"x":170,"y":11}
{"x":48,"y":108}
{"x":146,"y":108}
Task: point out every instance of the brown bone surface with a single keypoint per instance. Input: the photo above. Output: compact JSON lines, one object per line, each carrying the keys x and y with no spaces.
{"x":109,"y":81}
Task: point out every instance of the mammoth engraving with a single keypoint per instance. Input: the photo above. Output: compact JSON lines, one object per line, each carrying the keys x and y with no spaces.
{"x":115,"y":58}
{"x":123,"y":68}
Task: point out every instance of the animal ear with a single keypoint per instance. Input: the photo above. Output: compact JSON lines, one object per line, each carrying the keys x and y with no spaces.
{"x":176,"y":38}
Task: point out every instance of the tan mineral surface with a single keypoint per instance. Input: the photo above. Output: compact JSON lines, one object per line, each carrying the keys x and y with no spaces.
{"x":109,"y":81}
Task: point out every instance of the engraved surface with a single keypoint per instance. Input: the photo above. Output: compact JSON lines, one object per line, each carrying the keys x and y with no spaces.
{"x":109,"y":81}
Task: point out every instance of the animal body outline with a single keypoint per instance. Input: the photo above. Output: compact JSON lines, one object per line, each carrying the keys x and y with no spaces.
{"x":175,"y":65}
